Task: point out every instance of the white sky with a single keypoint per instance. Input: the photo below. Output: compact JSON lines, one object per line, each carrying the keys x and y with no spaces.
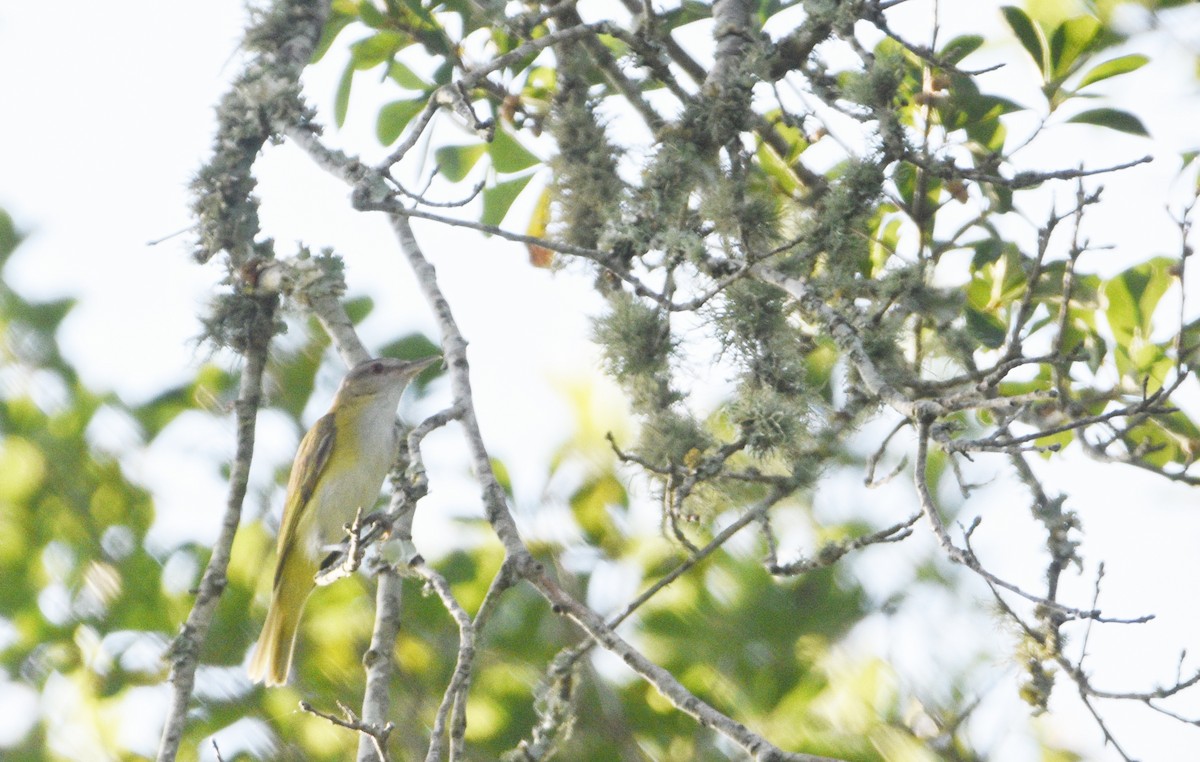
{"x":108,"y":112}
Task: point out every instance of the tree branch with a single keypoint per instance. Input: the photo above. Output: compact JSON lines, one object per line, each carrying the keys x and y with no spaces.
{"x":184,"y":653}
{"x":755,"y":745}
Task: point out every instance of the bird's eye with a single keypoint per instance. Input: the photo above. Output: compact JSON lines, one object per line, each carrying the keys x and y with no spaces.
{"x":377,"y":368}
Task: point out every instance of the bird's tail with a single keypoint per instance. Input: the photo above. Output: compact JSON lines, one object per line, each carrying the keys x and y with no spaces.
{"x":272,"y":659}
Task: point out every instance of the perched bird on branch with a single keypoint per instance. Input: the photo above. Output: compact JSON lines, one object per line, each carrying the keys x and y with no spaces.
{"x":339,"y":470}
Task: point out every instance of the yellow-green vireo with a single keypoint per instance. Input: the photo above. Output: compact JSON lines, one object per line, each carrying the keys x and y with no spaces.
{"x":339,"y":468}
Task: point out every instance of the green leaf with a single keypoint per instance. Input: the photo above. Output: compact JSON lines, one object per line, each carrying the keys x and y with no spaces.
{"x":592,"y":505}
{"x":987,"y":251}
{"x":687,"y":12}
{"x":406,"y":77}
{"x":341,"y":101}
{"x":414,"y":346}
{"x":9,"y":236}
{"x":919,"y":191}
{"x":1149,"y":364}
{"x":337,"y":22}
{"x":1028,"y":34}
{"x":1112,"y":118}
{"x":46,"y":316}
{"x":394,"y":117}
{"x":455,"y":162}
{"x":1131,"y":297}
{"x":767,"y":9}
{"x":1155,"y":445}
{"x":508,"y":155}
{"x":500,"y":197}
{"x":777,"y":169}
{"x":884,"y":243}
{"x":294,"y":374}
{"x":418,"y":20}
{"x":358,"y":308}
{"x":1059,"y":440}
{"x":988,"y":330}
{"x":444,"y":74}
{"x":960,"y":47}
{"x":211,"y":383}
{"x":1070,"y":40}
{"x":371,"y":51}
{"x":995,"y":287}
{"x":541,"y":82}
{"x":797,"y":143}
{"x":967,"y":108}
{"x":371,"y":16}
{"x":1112,"y":68}
{"x":502,"y":476}
{"x":505,"y":41}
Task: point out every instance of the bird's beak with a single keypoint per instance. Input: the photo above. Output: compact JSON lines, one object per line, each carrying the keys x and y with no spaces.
{"x":416,"y":366}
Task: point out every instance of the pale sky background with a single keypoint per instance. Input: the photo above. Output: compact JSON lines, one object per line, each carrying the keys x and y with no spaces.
{"x":108,"y":111}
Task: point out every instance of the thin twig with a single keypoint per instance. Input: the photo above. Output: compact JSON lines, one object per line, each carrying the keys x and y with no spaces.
{"x":966,"y":557}
{"x":833,"y":552}
{"x":376,"y":735}
{"x":872,"y":462}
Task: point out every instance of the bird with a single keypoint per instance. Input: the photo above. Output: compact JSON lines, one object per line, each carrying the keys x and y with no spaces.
{"x":339,"y":468}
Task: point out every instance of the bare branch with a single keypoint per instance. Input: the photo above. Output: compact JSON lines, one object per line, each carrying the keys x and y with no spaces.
{"x":456,"y":691}
{"x":375,"y":735}
{"x":833,"y":552}
{"x":184,"y":652}
{"x":967,"y":557}
{"x":873,"y":461}
{"x":755,"y":745}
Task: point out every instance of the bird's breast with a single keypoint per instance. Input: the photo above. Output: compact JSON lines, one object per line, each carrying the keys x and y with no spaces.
{"x":355,"y":475}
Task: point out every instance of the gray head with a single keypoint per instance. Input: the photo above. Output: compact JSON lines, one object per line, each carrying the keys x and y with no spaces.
{"x":382,"y":375}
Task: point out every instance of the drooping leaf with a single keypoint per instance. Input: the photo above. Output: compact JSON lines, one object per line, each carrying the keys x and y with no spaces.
{"x":1114,"y":119}
{"x":394,"y":117}
{"x":499,"y":198}
{"x":455,"y":162}
{"x":884,"y":242}
{"x":406,"y":77}
{"x":341,"y":101}
{"x":508,"y":155}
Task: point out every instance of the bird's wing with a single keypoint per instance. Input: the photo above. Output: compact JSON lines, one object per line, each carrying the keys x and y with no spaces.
{"x":311,"y":459}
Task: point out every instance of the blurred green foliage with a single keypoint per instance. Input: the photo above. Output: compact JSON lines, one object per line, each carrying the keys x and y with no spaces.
{"x":83,"y":600}
{"x":87,"y":605}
